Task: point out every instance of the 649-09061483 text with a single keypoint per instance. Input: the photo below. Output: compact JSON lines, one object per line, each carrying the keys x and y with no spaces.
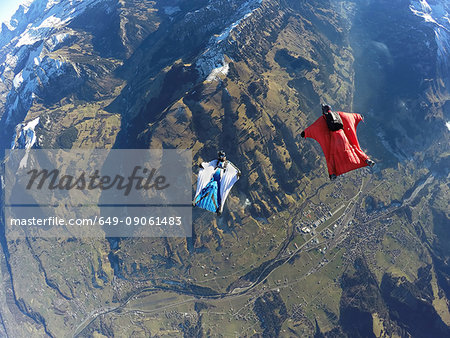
{"x":98,"y":220}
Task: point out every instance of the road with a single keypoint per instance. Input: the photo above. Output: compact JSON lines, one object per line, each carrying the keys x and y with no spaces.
{"x":280,"y":260}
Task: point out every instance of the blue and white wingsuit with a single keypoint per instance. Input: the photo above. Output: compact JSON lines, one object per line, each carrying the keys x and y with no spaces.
{"x":215,"y":180}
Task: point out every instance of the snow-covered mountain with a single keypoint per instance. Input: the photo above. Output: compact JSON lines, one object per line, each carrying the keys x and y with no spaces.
{"x":38,"y":63}
{"x":437,"y":14}
{"x":27,"y":66}
{"x":211,"y":63}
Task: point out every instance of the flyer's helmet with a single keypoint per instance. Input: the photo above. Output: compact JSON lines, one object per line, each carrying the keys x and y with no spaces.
{"x":325,"y":108}
{"x":221,"y":155}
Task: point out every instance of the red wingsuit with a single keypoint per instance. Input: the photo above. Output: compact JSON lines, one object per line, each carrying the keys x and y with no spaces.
{"x":341,"y":147}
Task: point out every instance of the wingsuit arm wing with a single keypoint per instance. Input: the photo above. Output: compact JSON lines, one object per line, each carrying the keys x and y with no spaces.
{"x":237,"y":169}
{"x":204,"y":175}
{"x":358,"y":118}
{"x":319,"y":131}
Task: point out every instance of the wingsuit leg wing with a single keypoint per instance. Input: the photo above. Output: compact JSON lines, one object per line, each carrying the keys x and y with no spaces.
{"x":229,"y":178}
{"x":204,"y":177}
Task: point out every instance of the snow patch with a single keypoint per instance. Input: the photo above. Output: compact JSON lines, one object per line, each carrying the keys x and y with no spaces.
{"x":246,"y":10}
{"x":55,"y":41}
{"x":217,"y":72}
{"x":38,"y":18}
{"x":51,"y":3}
{"x":25,"y":136}
{"x":12,"y":108}
{"x":211,"y":63}
{"x":448,"y":125}
{"x":171,"y":10}
{"x":51,"y":21}
{"x":38,"y":71}
{"x":226,"y":33}
{"x":34,"y":31}
{"x":18,"y":79}
{"x":28,"y":38}
{"x":26,"y":4}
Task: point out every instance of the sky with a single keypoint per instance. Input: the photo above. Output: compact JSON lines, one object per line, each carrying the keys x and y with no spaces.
{"x":8,"y":8}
